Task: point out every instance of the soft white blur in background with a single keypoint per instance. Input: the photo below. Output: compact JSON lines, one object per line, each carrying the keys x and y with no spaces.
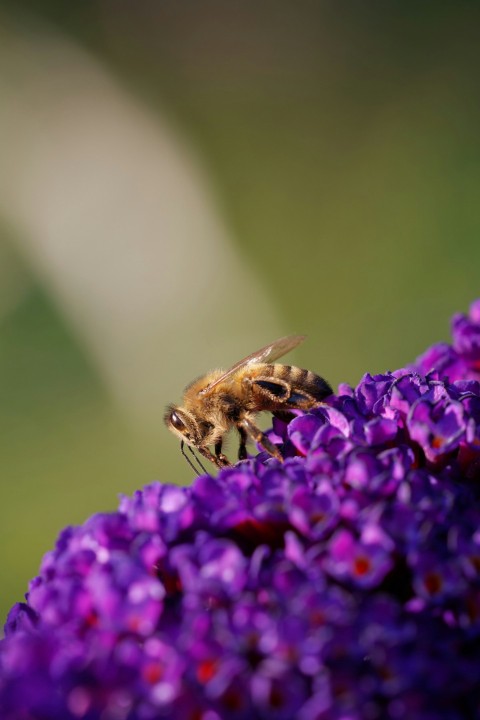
{"x":180,"y":185}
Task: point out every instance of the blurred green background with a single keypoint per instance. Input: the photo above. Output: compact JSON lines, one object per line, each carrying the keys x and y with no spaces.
{"x":183,"y":182}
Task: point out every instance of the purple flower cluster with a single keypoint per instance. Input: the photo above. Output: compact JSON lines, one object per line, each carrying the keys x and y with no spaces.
{"x":343,"y":584}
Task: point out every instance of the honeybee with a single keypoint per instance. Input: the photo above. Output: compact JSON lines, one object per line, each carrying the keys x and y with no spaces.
{"x":222,"y":399}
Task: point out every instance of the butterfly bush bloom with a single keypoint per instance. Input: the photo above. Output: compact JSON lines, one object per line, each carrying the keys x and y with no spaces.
{"x":343,"y":584}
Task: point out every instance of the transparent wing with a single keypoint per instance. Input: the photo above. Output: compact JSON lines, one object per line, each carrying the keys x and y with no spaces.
{"x":269,"y":353}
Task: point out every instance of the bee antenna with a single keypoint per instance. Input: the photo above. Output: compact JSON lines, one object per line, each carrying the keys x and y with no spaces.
{"x":188,"y":459}
{"x":198,"y":460}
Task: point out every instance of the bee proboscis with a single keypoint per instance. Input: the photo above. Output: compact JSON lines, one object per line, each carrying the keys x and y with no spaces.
{"x":221,"y":400}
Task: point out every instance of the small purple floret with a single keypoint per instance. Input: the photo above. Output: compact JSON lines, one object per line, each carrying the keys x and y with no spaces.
{"x":342,"y":584}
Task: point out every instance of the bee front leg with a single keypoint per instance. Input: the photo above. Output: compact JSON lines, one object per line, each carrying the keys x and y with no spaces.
{"x":217,"y":461}
{"x":256,"y":434}
{"x":221,"y":460}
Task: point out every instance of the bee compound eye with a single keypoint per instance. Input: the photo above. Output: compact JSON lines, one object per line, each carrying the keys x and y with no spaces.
{"x":177,"y":422}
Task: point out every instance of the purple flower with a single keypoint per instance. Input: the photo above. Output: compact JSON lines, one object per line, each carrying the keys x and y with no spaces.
{"x":462,"y":359}
{"x":442,"y":360}
{"x":362,"y":561}
{"x":341,"y":584}
{"x":437,"y":422}
{"x":313,"y":512}
{"x":466,"y":335}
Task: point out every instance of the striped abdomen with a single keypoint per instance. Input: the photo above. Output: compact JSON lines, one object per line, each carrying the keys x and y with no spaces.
{"x":290,"y":386}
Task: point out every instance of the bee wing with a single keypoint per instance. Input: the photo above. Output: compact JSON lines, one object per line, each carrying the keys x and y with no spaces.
{"x":270,"y":352}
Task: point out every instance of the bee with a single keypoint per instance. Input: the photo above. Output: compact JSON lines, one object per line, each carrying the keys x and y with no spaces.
{"x":223,"y":399}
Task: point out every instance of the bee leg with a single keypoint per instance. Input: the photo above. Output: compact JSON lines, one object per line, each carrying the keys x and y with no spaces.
{"x":304,"y":402}
{"x":256,"y":434}
{"x":213,"y":458}
{"x":221,"y":459}
{"x":242,"y":448}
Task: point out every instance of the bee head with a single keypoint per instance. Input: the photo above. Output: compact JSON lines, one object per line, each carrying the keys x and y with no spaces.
{"x":183,"y":424}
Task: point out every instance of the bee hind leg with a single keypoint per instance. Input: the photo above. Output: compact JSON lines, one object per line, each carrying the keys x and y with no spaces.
{"x":304,"y":401}
{"x":256,"y":434}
